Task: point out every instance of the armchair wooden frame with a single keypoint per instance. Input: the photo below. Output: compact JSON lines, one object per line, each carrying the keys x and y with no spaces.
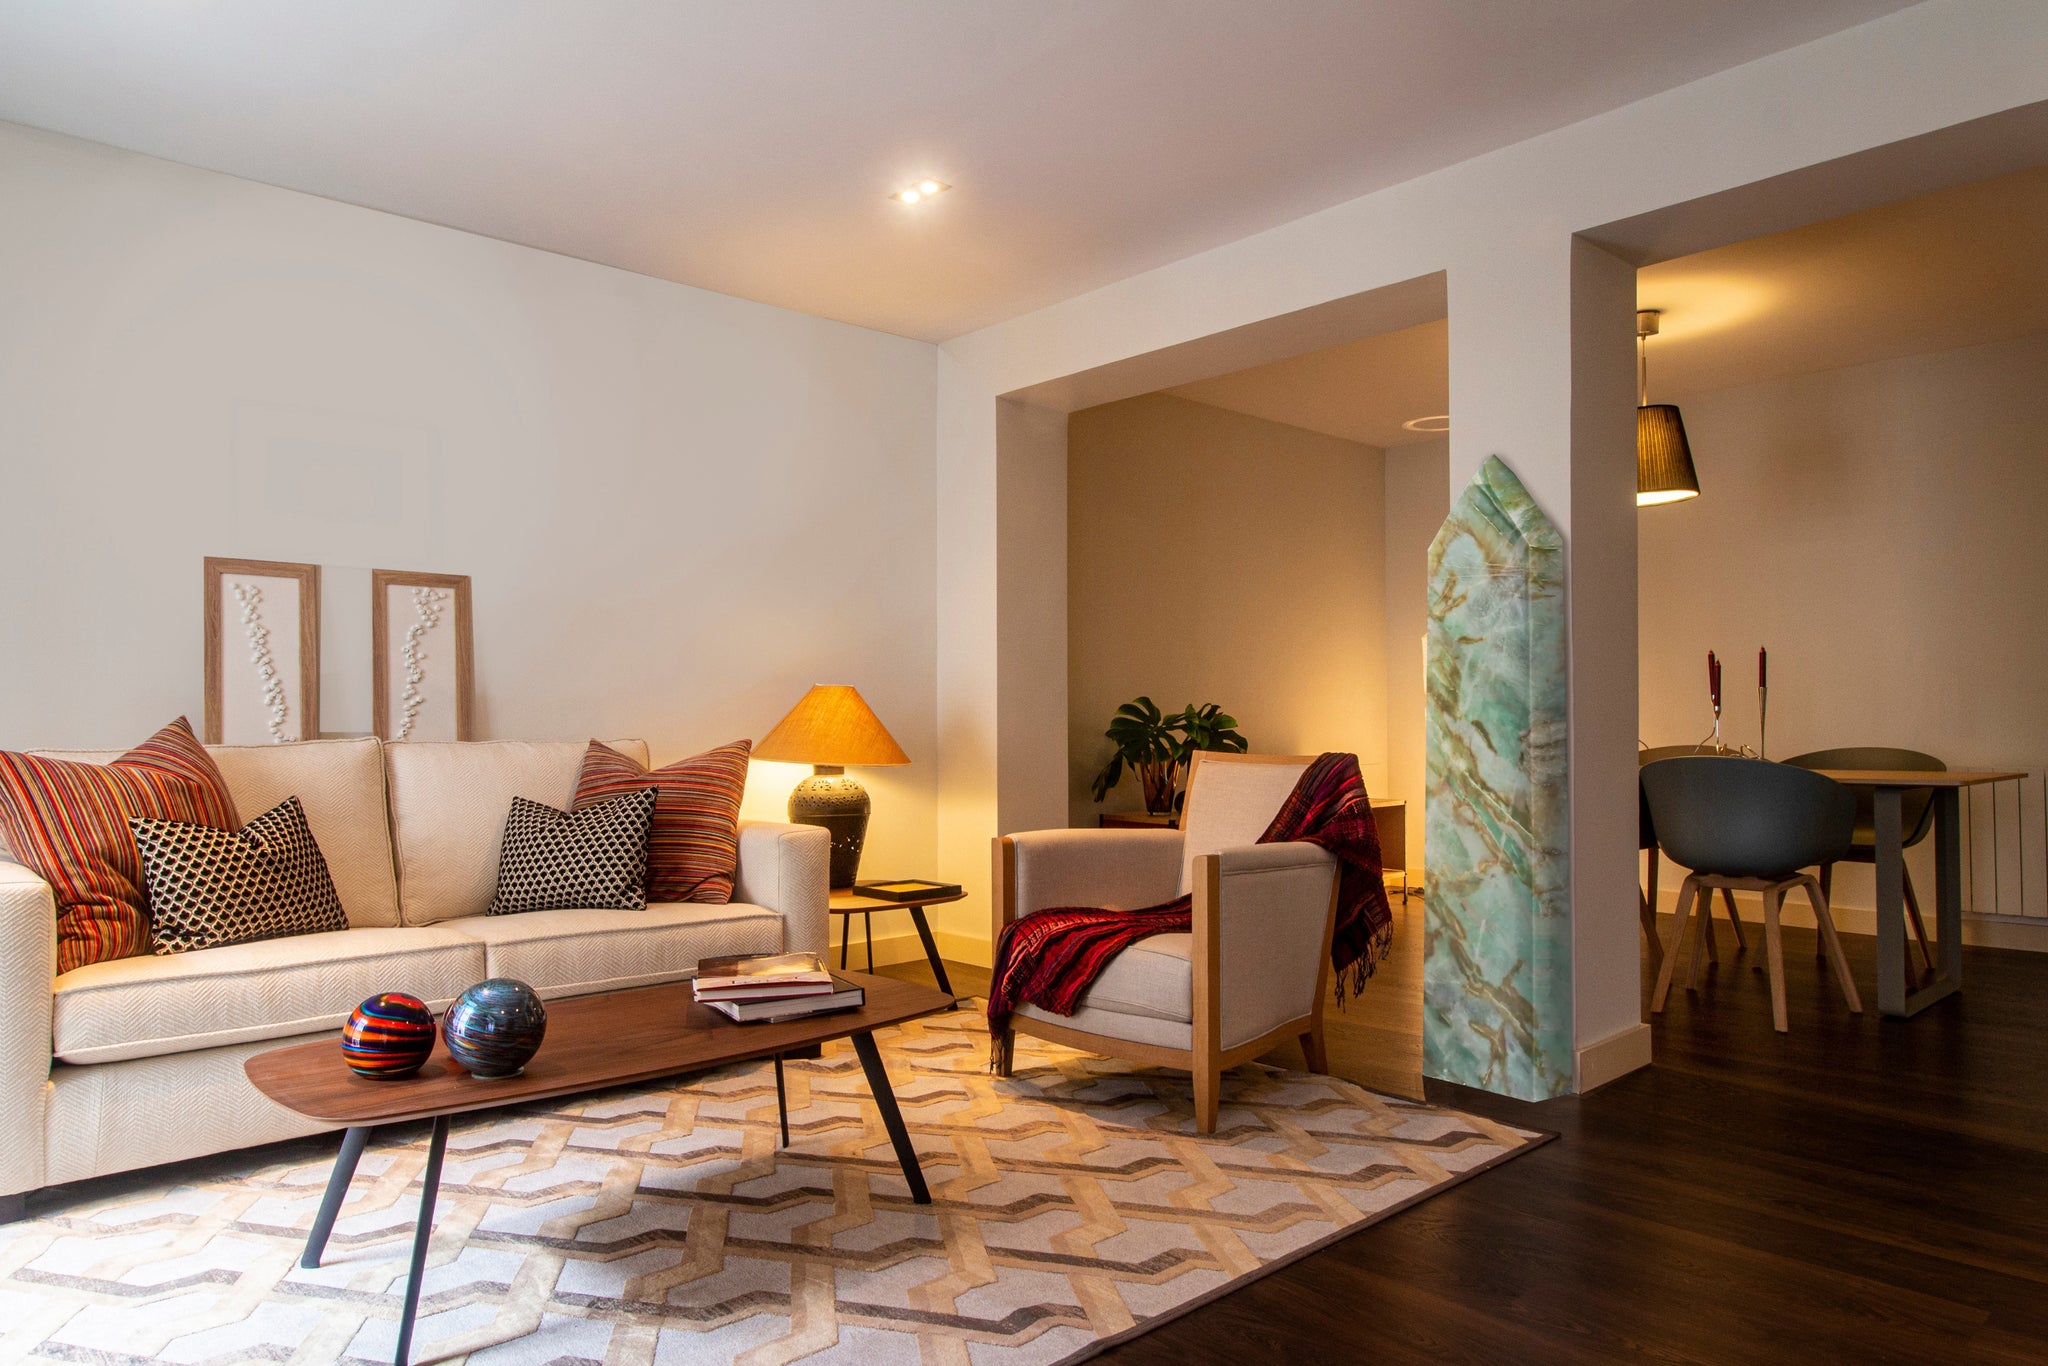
{"x":1208,"y":1059}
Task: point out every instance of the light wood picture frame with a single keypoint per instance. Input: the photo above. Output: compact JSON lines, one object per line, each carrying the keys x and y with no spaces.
{"x":422,"y":656}
{"x":262,"y":651}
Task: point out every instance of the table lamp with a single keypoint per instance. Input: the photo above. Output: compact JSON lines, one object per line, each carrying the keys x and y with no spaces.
{"x":829,"y":729}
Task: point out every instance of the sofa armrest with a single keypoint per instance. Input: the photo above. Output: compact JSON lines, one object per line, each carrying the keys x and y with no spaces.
{"x":1118,"y":869}
{"x":1274,"y":903}
{"x":787,"y":868}
{"x":28,"y":964}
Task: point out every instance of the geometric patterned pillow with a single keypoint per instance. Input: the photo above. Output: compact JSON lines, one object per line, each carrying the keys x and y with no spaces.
{"x":69,"y":823}
{"x":554,"y":860}
{"x":208,"y":887}
{"x":695,"y":844}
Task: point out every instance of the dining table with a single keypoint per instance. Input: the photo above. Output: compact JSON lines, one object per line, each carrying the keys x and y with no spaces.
{"x":1896,"y":996}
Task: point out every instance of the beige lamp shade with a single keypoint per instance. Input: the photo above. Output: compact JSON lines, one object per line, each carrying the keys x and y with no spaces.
{"x":1664,"y":472}
{"x":833,"y":726}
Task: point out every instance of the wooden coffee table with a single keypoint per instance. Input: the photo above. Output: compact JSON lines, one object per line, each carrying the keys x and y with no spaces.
{"x":610,"y":1039}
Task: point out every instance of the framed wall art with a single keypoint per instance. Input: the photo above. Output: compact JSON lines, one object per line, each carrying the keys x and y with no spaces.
{"x":423,"y":684}
{"x":262,"y":652}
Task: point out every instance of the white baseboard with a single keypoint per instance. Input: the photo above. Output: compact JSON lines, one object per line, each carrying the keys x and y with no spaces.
{"x":2005,"y":933}
{"x":1611,"y":1058}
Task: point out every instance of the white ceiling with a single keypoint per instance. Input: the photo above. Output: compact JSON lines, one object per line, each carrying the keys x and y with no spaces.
{"x":1955,"y":268}
{"x":1362,"y":391}
{"x":749,"y":147}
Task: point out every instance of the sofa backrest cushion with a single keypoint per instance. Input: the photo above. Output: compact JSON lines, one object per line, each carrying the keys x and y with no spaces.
{"x":340,"y":783}
{"x":449,"y":800}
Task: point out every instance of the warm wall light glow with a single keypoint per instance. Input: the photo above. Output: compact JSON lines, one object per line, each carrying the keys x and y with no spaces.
{"x":918,"y":193}
{"x":1439,"y":423}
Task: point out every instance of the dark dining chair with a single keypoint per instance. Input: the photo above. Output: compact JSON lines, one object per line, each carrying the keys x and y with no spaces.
{"x":1646,"y":832}
{"x":1751,"y":825}
{"x":1916,"y":816}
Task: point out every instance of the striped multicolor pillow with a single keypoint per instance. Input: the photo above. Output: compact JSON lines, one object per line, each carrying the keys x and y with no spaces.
{"x":695,"y":845}
{"x":69,"y":823}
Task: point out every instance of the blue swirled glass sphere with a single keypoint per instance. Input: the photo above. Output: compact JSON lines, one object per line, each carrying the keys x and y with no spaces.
{"x":494,"y":1029}
{"x":389,"y":1036}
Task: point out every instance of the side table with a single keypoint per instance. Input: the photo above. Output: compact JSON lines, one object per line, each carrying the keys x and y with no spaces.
{"x":847,"y":902}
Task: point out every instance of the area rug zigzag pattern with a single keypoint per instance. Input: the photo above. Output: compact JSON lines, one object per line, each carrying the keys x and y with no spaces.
{"x":661,"y":1226}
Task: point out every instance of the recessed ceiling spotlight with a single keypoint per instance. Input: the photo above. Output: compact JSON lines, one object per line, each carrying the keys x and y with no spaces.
{"x":1440,"y":423}
{"x":924,"y":189}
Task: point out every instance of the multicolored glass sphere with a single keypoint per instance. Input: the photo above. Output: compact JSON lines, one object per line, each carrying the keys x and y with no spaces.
{"x":388,"y":1036}
{"x":495,"y":1028}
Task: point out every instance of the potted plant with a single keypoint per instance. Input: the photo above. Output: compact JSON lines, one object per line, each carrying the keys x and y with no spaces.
{"x":1158,"y":746}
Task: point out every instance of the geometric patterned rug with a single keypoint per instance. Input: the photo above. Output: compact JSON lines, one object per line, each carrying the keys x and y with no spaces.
{"x":659,"y":1225}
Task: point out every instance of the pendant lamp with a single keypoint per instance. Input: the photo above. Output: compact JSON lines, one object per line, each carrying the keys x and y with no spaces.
{"x":1664,"y":472}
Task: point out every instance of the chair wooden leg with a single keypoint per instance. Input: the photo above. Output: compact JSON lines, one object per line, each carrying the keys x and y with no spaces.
{"x":1827,"y":894}
{"x":1774,"y":949}
{"x":1913,"y":914}
{"x":1312,"y":1048}
{"x":1734,"y":920}
{"x":1702,"y":935}
{"x":1208,"y":1094}
{"x":1649,"y":918}
{"x":1688,"y":891}
{"x":1833,"y":944}
{"x":1713,"y":947}
{"x":1006,"y":1051}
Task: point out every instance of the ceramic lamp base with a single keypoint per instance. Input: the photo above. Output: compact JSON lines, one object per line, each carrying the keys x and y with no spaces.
{"x":830,"y":799}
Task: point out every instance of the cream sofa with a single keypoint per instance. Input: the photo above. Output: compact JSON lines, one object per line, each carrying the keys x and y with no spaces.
{"x":130,"y":1063}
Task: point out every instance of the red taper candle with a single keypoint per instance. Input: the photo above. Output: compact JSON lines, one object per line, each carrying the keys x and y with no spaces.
{"x":1762,"y":668}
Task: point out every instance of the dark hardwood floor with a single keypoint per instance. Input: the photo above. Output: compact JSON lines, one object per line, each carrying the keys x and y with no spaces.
{"x":1860,"y":1190}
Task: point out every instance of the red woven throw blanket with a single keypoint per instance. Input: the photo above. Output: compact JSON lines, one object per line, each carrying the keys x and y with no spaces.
{"x":1051,"y":958}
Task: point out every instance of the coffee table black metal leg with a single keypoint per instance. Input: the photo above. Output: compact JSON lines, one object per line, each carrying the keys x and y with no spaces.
{"x":781,"y":1100}
{"x":892,"y":1118}
{"x":931,"y":950}
{"x":423,"y":1232}
{"x":868,"y":921}
{"x":845,"y":939}
{"x":337,"y":1191}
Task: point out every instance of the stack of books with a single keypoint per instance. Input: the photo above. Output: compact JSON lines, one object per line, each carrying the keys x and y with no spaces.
{"x":773,"y":986}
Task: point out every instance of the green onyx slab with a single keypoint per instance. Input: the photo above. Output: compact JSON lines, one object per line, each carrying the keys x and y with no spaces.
{"x":1497,"y":979}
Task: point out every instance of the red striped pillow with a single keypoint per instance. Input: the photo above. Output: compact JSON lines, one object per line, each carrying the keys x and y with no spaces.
{"x":694,"y":847}
{"x":69,"y":823}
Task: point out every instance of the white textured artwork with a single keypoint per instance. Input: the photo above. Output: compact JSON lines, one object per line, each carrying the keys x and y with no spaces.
{"x":250,"y":596}
{"x":422,"y":643}
{"x":260,"y":668}
{"x":426,"y":606}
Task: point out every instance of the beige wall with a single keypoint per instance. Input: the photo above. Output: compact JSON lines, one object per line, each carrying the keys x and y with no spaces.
{"x":1880,"y":530}
{"x":679,"y":509}
{"x":1418,"y":499}
{"x":1215,"y":557}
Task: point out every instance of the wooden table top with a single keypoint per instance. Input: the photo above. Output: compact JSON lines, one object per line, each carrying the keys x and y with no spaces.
{"x":608,"y":1039}
{"x":849,"y":901}
{"x":1908,"y":777}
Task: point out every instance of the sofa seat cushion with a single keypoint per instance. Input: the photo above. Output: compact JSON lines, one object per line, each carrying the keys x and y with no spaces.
{"x":272,"y":989}
{"x":576,"y":952}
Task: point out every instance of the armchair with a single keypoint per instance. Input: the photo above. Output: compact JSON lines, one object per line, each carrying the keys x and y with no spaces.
{"x":1254,"y":970}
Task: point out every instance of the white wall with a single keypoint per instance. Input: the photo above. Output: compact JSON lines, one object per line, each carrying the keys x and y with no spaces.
{"x":1418,"y":499}
{"x":1218,"y":557}
{"x":1879,"y":528}
{"x":679,"y":509}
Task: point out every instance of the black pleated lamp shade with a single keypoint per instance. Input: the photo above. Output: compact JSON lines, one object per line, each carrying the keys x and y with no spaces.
{"x":1664,"y":472}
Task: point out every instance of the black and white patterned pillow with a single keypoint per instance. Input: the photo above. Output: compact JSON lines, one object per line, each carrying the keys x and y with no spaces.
{"x":208,"y":887}
{"x":555,"y":860}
